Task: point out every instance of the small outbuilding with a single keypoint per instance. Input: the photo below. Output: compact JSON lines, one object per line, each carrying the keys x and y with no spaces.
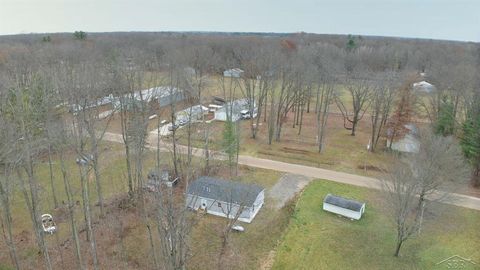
{"x":344,"y":207}
{"x":233,"y":73}
{"x":424,"y":87}
{"x":225,"y":198}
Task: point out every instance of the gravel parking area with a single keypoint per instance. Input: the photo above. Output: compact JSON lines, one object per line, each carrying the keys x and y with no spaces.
{"x":286,"y":188}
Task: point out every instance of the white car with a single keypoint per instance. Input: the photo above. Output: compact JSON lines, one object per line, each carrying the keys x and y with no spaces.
{"x":238,"y":228}
{"x":245,"y":114}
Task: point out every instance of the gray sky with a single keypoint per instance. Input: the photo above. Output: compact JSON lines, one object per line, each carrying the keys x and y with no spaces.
{"x":439,"y":19}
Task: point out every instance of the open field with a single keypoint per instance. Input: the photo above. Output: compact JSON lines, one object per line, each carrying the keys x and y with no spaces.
{"x":316,"y":239}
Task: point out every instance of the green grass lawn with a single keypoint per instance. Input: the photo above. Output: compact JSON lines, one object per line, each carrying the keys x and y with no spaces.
{"x":316,"y":239}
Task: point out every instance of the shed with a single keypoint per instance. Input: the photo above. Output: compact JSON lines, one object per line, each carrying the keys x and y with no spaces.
{"x":342,"y":206}
{"x":233,"y":73}
{"x":235,"y":108}
{"x":225,"y":198}
{"x":424,"y":87}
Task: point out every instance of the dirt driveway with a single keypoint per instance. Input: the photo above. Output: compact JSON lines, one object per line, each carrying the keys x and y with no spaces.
{"x":307,"y":172}
{"x":286,"y":188}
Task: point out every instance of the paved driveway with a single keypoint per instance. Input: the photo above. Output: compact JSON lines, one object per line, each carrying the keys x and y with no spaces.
{"x":286,"y":188}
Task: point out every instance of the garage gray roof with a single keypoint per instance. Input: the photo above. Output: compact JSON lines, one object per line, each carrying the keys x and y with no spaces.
{"x":343,"y":203}
{"x":224,"y":190}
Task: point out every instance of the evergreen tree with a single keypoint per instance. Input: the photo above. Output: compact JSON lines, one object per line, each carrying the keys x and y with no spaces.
{"x":351,"y":43}
{"x":80,"y":35}
{"x":230,"y":142}
{"x":470,"y":142}
{"x":445,"y":123}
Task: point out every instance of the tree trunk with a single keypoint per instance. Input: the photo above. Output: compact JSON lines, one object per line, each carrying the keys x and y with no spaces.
{"x":397,"y":249}
{"x":7,"y":222}
{"x":52,"y":185}
{"x":32,"y":202}
{"x":354,"y":126}
{"x":96,"y":170}
{"x":88,"y":216}
{"x":71,"y":206}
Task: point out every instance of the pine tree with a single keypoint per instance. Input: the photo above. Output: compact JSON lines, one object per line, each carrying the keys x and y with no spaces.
{"x":445,"y":123}
{"x":230,"y":142}
{"x":470,"y":142}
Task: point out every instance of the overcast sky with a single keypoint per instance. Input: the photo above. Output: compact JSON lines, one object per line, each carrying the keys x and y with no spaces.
{"x":439,"y":19}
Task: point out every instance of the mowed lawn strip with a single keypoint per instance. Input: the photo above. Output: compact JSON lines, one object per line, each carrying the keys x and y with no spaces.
{"x":316,"y":239}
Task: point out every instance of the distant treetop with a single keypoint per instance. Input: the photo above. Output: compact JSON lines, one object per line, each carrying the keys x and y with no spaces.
{"x":80,"y":35}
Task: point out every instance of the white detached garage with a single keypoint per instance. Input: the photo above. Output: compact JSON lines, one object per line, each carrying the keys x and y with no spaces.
{"x":344,"y":207}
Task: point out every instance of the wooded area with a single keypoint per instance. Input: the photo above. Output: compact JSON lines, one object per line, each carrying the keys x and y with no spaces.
{"x":50,"y":113}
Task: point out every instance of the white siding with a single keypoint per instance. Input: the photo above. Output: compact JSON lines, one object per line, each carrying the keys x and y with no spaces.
{"x":213,"y":208}
{"x":222,"y":116}
{"x":344,"y":212}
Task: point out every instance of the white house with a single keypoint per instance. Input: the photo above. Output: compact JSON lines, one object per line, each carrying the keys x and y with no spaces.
{"x":345,"y":207}
{"x":225,"y":198}
{"x":164,"y":95}
{"x":409,"y":143}
{"x":75,"y":108}
{"x":424,"y":87}
{"x":233,"y":73}
{"x":233,"y":109}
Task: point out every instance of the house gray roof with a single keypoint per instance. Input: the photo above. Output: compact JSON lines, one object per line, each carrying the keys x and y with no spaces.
{"x":224,"y":190}
{"x":236,"y":106}
{"x":344,"y":203}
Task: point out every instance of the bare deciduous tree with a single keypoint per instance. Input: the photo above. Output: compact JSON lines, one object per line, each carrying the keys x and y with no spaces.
{"x":359,"y":89}
{"x":421,"y":178}
{"x":383,"y":96}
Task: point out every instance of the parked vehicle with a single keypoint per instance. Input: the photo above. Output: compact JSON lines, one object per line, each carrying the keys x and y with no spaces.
{"x":245,"y":114}
{"x":182,"y":122}
{"x":172,"y":127}
{"x":84,"y":159}
{"x":238,"y":228}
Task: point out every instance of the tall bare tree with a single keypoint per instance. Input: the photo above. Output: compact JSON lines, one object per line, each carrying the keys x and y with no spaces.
{"x":359,"y":91}
{"x":383,"y":96}
{"x":420,"y":179}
